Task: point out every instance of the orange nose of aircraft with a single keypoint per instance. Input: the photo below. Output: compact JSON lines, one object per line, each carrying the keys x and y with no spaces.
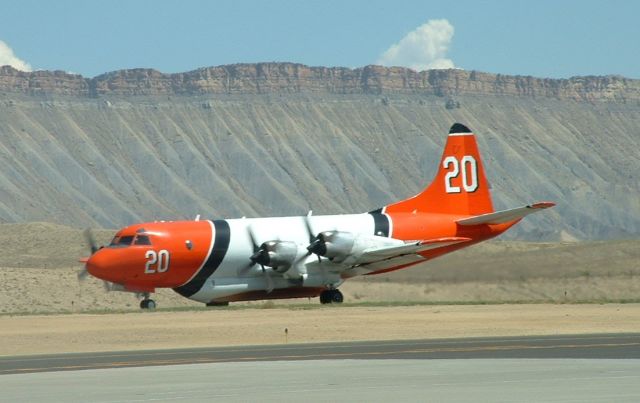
{"x":100,"y":265}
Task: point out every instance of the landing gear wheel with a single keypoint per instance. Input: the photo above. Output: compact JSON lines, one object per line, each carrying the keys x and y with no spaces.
{"x":147,"y":304}
{"x":331,"y":297}
{"x":337,"y":297}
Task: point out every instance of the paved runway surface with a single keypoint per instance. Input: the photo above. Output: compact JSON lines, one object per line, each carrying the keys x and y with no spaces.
{"x":391,"y":380}
{"x":595,"y":368}
{"x":578,"y":346}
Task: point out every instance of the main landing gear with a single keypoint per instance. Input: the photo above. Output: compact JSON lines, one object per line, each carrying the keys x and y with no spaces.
{"x":331,"y":296}
{"x":147,"y":303}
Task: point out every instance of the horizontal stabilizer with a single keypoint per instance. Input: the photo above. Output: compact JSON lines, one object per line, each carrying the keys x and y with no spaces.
{"x":505,"y":216}
{"x":373,"y":255}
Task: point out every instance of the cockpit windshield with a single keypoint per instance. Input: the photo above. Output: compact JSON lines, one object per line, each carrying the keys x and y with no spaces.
{"x":122,"y":241}
{"x":142,"y":240}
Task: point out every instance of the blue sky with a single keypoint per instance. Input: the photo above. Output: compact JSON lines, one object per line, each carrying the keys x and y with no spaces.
{"x":556,"y":39}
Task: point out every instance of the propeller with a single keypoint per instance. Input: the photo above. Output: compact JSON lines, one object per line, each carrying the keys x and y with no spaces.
{"x":318,"y":245}
{"x":91,"y":240}
{"x":256,"y":250}
{"x":82,"y":274}
{"x":93,"y":248}
{"x":267,"y":276}
{"x":314,"y":240}
{"x":260,"y":257}
{"x":307,"y":225}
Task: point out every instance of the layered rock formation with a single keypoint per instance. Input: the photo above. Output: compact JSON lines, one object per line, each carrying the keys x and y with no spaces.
{"x":279,"y":139}
{"x":289,"y":78}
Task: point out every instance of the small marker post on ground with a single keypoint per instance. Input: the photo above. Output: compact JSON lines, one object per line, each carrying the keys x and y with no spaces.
{"x":286,"y":335}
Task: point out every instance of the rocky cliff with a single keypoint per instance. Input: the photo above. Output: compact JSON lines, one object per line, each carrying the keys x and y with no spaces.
{"x":265,"y":139}
{"x":289,"y":78}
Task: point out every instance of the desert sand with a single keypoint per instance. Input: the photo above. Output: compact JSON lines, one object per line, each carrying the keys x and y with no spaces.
{"x":55,"y":291}
{"x":223,"y":327}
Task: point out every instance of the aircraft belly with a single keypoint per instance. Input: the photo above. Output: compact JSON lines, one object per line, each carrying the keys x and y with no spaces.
{"x":220,"y":288}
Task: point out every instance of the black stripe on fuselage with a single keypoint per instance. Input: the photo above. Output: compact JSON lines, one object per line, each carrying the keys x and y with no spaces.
{"x":218,"y":252}
{"x":381,"y":223}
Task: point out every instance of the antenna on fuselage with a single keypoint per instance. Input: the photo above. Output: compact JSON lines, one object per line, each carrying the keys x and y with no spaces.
{"x":198,"y":217}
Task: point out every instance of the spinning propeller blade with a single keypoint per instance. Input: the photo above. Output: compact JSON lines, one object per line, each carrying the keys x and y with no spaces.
{"x":313,"y":238}
{"x":93,"y":248}
{"x":91,"y":240}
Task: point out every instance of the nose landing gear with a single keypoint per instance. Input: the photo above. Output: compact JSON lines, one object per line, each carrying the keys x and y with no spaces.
{"x":331,"y":296}
{"x":147,"y":303}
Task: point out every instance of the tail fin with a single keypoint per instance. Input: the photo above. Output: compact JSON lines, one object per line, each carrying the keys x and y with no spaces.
{"x":460,"y":186}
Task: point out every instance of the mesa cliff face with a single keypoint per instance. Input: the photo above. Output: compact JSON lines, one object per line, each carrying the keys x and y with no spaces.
{"x":282,"y":138}
{"x":289,"y":78}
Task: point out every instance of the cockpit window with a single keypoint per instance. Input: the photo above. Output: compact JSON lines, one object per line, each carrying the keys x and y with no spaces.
{"x":121,"y":241}
{"x":142,"y":240}
{"x":125,"y":240}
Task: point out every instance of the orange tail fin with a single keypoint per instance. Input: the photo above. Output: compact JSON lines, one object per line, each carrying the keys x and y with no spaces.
{"x":460,"y":186}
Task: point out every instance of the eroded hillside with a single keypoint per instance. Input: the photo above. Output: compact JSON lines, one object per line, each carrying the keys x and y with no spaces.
{"x":280,"y":139}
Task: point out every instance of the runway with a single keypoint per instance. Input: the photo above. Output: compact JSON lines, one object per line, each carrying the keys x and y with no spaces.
{"x":599,"y":346}
{"x":587,"y":368}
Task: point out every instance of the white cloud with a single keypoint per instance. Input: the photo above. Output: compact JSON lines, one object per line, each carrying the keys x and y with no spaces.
{"x":423,"y":48}
{"x":7,"y":57}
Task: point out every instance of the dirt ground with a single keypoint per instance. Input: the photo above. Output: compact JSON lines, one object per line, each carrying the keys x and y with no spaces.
{"x":50,"y":291}
{"x":220,"y":327}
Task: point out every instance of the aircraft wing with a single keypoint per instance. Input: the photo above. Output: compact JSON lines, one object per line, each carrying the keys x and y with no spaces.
{"x":382,"y":253}
{"x":387,"y":258}
{"x":504,"y":216}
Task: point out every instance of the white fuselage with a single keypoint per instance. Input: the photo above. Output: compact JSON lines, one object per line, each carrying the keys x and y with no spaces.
{"x":236,"y":274}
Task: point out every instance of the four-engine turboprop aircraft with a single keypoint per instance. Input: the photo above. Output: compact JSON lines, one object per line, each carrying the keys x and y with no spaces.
{"x":219,"y":261}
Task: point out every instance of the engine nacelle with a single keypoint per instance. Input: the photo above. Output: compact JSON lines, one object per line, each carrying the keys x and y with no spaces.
{"x":332,"y":244}
{"x":281,"y":254}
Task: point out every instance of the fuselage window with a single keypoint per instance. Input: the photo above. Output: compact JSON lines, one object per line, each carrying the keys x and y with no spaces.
{"x":142,"y":240}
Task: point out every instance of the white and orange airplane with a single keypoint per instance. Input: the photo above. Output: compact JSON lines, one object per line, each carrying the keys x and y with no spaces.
{"x":219,"y":261}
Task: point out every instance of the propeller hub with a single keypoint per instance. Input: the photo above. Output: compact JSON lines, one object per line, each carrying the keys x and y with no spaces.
{"x":261,"y":257}
{"x":318,"y":246}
